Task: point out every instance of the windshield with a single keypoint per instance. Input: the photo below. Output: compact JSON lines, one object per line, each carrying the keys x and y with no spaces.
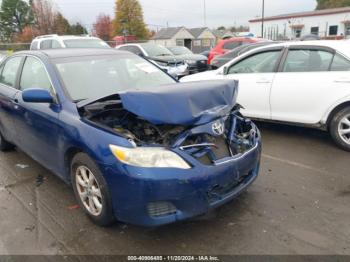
{"x":85,"y":43}
{"x":180,"y":50}
{"x":96,"y":77}
{"x":156,"y":50}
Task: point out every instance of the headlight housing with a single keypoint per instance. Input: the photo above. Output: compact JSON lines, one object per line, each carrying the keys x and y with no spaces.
{"x":149,"y":157}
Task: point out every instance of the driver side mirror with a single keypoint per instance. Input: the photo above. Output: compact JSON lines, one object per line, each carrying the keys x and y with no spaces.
{"x":225,"y":71}
{"x":37,"y":95}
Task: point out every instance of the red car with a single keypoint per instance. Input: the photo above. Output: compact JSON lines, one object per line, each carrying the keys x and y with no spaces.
{"x":227,"y":45}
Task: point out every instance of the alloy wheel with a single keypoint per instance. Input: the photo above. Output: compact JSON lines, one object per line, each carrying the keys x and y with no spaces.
{"x":344,"y":129}
{"x":89,"y":190}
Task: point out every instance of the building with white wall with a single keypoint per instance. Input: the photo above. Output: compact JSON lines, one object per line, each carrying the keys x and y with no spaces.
{"x":196,"y":39}
{"x":327,"y":24}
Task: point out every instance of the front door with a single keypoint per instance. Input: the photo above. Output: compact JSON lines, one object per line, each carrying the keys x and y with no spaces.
{"x":38,"y":123}
{"x":255,"y":74}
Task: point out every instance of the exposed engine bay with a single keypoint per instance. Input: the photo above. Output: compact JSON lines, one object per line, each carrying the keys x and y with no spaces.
{"x":238,"y":134}
{"x":126,"y":124}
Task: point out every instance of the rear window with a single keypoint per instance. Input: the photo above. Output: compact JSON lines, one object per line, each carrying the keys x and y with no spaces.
{"x":85,"y":43}
{"x":34,"y":45}
{"x":46,"y":44}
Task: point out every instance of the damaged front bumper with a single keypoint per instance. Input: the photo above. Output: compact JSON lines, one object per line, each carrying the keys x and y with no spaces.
{"x":158,"y":196}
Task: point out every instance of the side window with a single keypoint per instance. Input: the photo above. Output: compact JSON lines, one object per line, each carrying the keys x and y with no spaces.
{"x":305,"y":60}
{"x":232,"y":45}
{"x":55,"y":44}
{"x":136,"y":50}
{"x":340,"y":63}
{"x":34,"y":75}
{"x":9,"y":73}
{"x":46,"y":44}
{"x":259,"y":63}
{"x":124,"y":48}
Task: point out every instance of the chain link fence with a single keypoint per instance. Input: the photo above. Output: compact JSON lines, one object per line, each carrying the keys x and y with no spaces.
{"x":8,"y":48}
{"x":13,"y":47}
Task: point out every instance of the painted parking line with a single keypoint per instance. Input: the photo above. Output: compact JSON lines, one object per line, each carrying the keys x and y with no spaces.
{"x":297,"y":164}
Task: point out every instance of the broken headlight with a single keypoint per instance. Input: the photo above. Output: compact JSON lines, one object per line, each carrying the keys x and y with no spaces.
{"x":149,"y":157}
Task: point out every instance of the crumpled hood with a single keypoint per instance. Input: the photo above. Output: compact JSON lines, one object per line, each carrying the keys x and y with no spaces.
{"x":193,"y":103}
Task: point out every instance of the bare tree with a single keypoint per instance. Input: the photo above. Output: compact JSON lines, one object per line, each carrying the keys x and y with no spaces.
{"x":102,"y":28}
{"x":45,"y":16}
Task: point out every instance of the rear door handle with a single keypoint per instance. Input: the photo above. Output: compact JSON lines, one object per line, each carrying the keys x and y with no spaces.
{"x":343,"y":80}
{"x":263,"y":81}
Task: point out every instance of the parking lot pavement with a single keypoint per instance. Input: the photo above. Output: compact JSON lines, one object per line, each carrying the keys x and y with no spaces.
{"x":299,"y":205}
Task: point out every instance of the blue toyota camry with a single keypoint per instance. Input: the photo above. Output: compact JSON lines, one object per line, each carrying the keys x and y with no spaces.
{"x":136,"y":145}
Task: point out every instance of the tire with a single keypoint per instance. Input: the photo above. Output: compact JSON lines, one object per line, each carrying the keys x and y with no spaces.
{"x":338,"y":128}
{"x":97,"y":206}
{"x":4,"y":144}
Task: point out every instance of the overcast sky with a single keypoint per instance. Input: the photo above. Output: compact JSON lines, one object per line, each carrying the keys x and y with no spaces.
{"x":186,"y":12}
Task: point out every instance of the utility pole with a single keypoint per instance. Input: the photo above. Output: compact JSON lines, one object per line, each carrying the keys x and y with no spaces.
{"x":205,"y":13}
{"x":262,"y":18}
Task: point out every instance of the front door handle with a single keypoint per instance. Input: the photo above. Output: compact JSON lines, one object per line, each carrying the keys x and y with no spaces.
{"x":15,"y":103}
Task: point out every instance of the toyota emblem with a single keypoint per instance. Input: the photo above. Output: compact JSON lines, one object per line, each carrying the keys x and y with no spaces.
{"x":218,"y":128}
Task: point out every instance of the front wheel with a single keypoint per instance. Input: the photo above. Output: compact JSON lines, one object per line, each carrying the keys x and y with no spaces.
{"x":91,"y":190}
{"x":340,"y":128}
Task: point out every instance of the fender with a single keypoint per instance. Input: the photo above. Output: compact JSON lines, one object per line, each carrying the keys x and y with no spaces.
{"x":324,"y":119}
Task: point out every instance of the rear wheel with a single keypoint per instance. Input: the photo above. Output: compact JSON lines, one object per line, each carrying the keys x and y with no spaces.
{"x":340,"y":128}
{"x":4,"y":144}
{"x":91,"y":190}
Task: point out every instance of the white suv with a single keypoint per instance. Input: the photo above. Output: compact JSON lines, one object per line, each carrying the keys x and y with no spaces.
{"x":66,"y":41}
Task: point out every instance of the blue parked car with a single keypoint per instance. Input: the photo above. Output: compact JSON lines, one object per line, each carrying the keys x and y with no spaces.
{"x":136,"y":145}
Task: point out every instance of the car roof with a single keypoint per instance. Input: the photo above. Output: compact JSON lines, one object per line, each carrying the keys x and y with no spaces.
{"x":241,"y":38}
{"x":341,"y":46}
{"x":140,"y":44}
{"x":76,"y":52}
{"x":65,"y":37}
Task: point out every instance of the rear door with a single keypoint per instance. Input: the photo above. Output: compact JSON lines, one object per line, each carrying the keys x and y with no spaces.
{"x":309,"y":81}
{"x":255,"y":73}
{"x":8,"y":104}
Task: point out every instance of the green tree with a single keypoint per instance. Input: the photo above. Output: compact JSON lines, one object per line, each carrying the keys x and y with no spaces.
{"x":77,"y":29}
{"x":324,"y":4}
{"x":61,"y":25}
{"x":15,"y":15}
{"x":129,"y":19}
{"x":221,"y":28}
